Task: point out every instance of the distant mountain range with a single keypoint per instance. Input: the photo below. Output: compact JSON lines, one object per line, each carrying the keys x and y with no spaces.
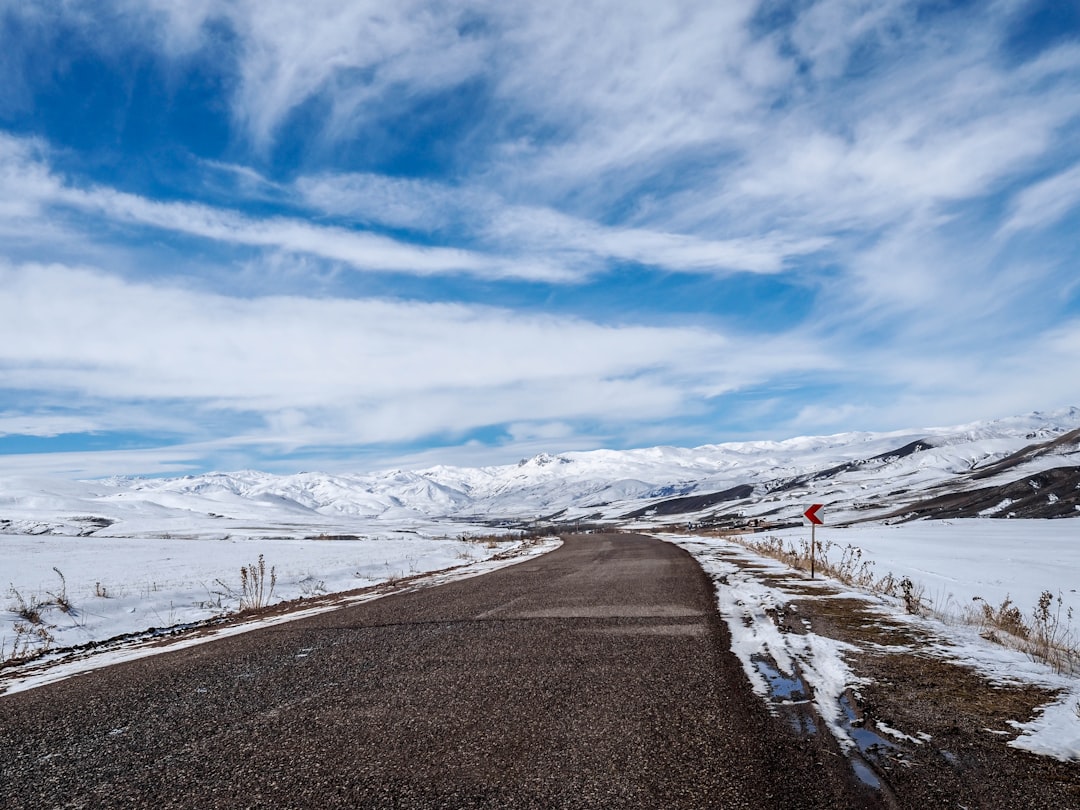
{"x":1026,"y":466}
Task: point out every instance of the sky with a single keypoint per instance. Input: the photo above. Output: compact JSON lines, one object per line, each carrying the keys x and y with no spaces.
{"x":353,"y":235}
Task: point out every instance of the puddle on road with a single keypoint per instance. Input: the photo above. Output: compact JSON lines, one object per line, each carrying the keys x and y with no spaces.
{"x":872,"y":747}
{"x":782,"y":687}
{"x":865,"y":773}
{"x":789,"y":695}
{"x":869,"y":742}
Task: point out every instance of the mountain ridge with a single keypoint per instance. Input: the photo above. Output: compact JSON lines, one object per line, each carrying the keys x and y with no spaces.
{"x":860,"y":475}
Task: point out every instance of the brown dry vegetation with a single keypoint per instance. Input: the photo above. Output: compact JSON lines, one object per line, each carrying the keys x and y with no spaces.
{"x":959,"y":721}
{"x":1045,"y":635}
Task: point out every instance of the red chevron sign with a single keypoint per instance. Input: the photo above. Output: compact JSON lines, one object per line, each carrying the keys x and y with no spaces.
{"x":811,"y":514}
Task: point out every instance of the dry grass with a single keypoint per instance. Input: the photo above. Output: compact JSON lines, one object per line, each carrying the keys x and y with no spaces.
{"x":486,"y":540}
{"x":256,"y":587}
{"x":60,"y":599}
{"x":1047,"y":635}
{"x":844,"y":563}
{"x":254,"y":593}
{"x":31,"y":641}
{"x":29,"y":610}
{"x":33,"y":637}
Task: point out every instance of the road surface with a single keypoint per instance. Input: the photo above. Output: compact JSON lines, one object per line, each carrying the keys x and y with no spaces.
{"x":597,"y":676}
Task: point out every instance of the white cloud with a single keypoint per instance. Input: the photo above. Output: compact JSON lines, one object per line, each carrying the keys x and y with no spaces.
{"x":538,"y":244}
{"x":543,"y":431}
{"x":354,"y":54}
{"x":911,"y":384}
{"x":360,"y":249}
{"x":939,"y":134}
{"x":25,"y":179}
{"x":828,"y":31}
{"x":396,"y":202}
{"x":358,"y":370}
{"x":102,"y":463}
{"x":535,"y":235}
{"x":771,"y":163}
{"x":1044,"y":204}
{"x":30,"y":192}
{"x":46,"y":425}
{"x":627,"y":88}
{"x":547,"y":231}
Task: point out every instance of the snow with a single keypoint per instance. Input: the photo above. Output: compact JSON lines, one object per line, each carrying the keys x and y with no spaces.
{"x":969,"y":557}
{"x":40,"y":673}
{"x":959,"y":560}
{"x":164,"y":582}
{"x":744,"y":602}
{"x":1056,"y":731}
{"x":137,"y":552}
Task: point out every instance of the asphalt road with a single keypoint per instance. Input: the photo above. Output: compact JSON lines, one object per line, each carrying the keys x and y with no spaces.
{"x":596,"y":676}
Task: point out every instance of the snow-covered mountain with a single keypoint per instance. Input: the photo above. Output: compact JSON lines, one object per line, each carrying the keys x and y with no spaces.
{"x":1020,"y":466}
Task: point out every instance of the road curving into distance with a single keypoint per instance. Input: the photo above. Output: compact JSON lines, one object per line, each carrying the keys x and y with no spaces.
{"x":596,"y":676}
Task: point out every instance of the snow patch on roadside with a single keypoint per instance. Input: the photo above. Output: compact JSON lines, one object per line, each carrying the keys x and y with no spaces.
{"x":1056,"y":730}
{"x":745,"y":604}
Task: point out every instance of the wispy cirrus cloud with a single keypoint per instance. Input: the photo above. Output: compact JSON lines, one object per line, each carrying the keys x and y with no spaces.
{"x":517,"y":242}
{"x":33,"y":189}
{"x":367,"y":55}
{"x":857,"y":183}
{"x":534,"y":231}
{"x":1045,"y":203}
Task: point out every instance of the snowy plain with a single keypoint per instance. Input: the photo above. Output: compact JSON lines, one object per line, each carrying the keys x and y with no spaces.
{"x":124,"y":585}
{"x":957,"y":561}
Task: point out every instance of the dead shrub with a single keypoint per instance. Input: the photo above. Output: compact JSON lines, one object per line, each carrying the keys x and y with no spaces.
{"x":256,"y":588}
{"x":27,"y":610}
{"x":31,"y":641}
{"x":254,"y":593}
{"x":61,"y":599}
{"x":1005,"y":617}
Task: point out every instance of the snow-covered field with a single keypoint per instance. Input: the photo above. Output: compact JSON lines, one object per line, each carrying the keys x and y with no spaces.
{"x":124,"y":585}
{"x":958,"y":560}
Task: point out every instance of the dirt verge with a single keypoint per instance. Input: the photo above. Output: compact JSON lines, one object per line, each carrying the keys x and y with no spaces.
{"x":934,"y":731}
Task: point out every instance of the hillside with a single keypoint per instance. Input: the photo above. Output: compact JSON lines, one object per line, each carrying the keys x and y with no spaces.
{"x":1025,"y":466}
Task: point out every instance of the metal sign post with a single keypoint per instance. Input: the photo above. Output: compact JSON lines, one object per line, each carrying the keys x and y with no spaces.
{"x":811,"y":515}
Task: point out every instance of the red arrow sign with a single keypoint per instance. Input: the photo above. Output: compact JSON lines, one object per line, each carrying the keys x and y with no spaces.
{"x":811,"y":514}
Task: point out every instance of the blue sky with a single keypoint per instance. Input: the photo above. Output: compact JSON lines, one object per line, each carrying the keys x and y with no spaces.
{"x":355,"y":235}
